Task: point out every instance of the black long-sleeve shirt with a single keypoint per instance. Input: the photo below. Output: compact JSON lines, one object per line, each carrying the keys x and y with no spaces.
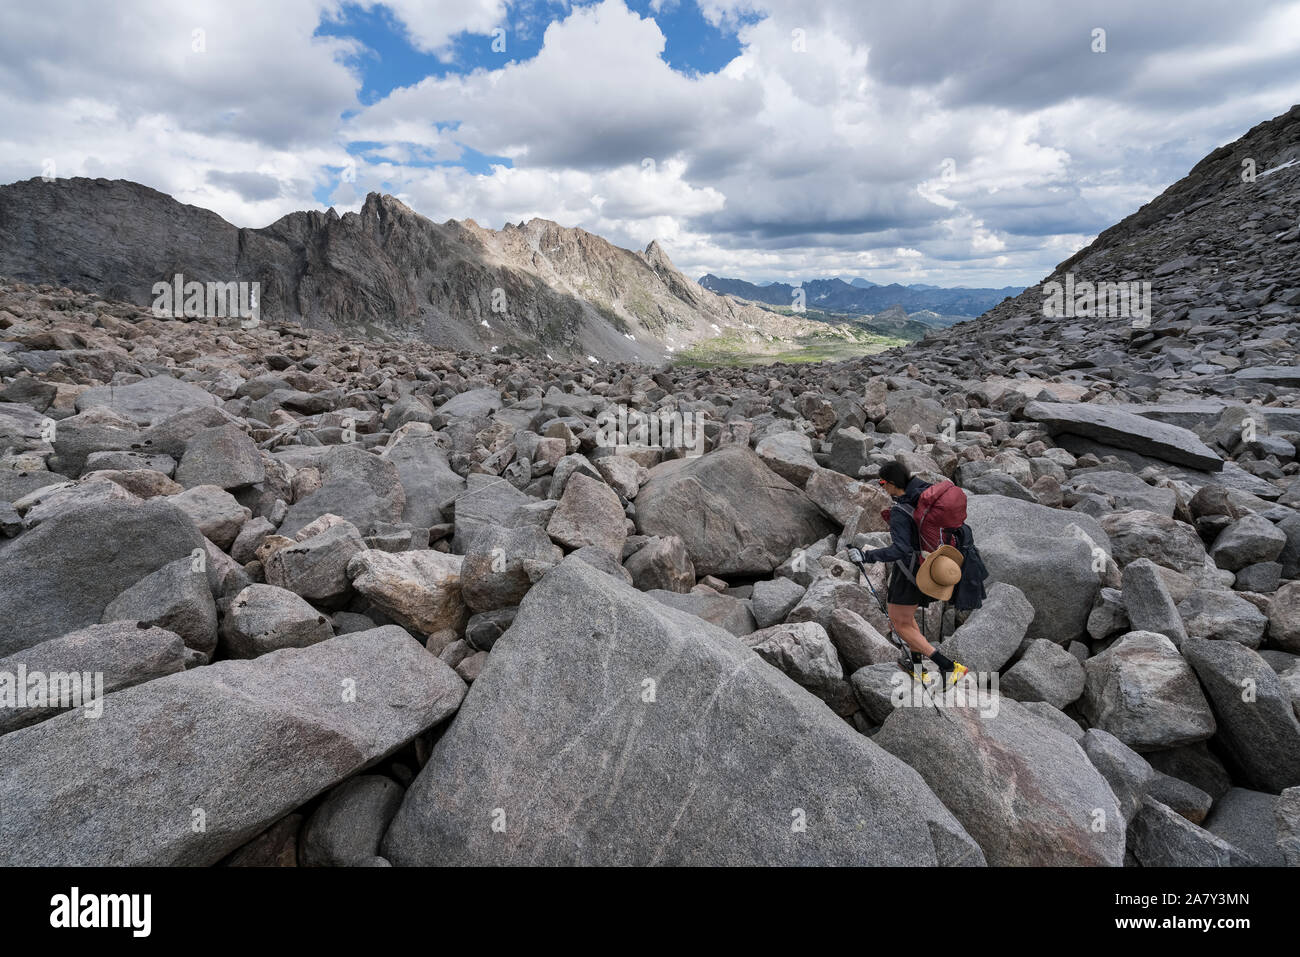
{"x":902,"y":530}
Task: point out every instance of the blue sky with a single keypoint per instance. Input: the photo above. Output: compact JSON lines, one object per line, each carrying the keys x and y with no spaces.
{"x":935,"y":141}
{"x":387,"y":58}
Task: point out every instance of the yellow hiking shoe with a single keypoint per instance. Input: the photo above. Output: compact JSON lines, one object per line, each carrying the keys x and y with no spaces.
{"x":954,"y":677}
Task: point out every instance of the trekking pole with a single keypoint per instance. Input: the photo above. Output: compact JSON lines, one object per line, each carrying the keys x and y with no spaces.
{"x":896,"y":640}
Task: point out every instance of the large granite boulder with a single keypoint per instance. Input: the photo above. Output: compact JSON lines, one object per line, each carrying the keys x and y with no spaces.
{"x":356,"y":485}
{"x":1257,"y":724}
{"x":1125,"y":430}
{"x":1048,"y":554}
{"x":61,"y":575}
{"x":1026,"y":792}
{"x":607,"y":728}
{"x":1142,"y":691}
{"x":232,"y":746}
{"x":736,"y":516}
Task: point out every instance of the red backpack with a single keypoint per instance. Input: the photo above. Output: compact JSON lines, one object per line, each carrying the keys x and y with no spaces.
{"x":940,"y":511}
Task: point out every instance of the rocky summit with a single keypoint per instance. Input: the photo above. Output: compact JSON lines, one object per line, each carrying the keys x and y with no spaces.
{"x":295,"y":592}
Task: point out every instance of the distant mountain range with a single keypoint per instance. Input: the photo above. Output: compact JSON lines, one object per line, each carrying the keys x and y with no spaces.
{"x":865,"y":297}
{"x":385,"y":272}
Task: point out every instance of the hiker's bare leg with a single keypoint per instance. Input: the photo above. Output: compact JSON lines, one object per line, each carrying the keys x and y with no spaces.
{"x":903,"y":618}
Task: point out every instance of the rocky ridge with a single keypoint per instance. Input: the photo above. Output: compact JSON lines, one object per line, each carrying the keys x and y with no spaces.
{"x":385,"y":273}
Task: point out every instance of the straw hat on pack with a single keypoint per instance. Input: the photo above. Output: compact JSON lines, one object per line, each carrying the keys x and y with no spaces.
{"x":940,"y":572}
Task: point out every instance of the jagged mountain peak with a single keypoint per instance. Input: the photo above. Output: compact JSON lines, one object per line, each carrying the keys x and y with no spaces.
{"x":383,"y":271}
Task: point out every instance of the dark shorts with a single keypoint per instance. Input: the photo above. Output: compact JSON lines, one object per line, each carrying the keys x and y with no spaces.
{"x":903,"y":592}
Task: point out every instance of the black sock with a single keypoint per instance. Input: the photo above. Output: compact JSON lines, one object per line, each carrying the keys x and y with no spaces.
{"x":942,"y":660}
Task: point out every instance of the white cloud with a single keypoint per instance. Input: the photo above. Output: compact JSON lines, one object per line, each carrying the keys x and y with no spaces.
{"x":793,"y":161}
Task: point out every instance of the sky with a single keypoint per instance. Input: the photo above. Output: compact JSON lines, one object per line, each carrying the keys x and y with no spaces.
{"x":927,"y":141}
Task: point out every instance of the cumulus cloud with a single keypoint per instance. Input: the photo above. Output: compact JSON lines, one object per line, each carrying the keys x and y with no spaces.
{"x":935,"y":141}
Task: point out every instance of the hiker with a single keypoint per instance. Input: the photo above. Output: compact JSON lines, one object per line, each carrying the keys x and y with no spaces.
{"x":915,"y":583}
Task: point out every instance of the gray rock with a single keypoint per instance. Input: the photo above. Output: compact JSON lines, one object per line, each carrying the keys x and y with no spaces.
{"x":774,"y":599}
{"x":175,"y":597}
{"x":999,"y":483}
{"x":1024,"y":791}
{"x":485,"y":500}
{"x":123,"y":653}
{"x":46,"y":503}
{"x":589,"y":514}
{"x":474,"y":403}
{"x":858,"y":642}
{"x":1128,"y":773}
{"x":789,"y":455}
{"x":1124,"y":490}
{"x":826,"y":595}
{"x":855,"y":506}
{"x":877,"y":687}
{"x":349,"y":623}
{"x":1187,"y":799}
{"x":345,"y":830}
{"x":803,"y":651}
{"x":61,"y":576}
{"x":1247,"y":820}
{"x":355,"y":485}
{"x":724,"y":611}
{"x":409,"y":408}
{"x":130,"y":462}
{"x":214,"y":512}
{"x":602,"y":560}
{"x":251,"y":535}
{"x":1262,"y":734}
{"x":988,"y":639}
{"x":1108,"y":616}
{"x":692,"y":787}
{"x":1195,"y":765}
{"x":1126,"y":430}
{"x":501,"y":564}
{"x":1161,"y":837}
{"x":244,"y":742}
{"x":427,"y":480}
{"x":1287,"y":817}
{"x":76,"y":439}
{"x":1262,"y":578}
{"x":1166,"y":542}
{"x":1224,"y":616}
{"x":1148,"y":603}
{"x":1289,"y":559}
{"x":316,"y":568}
{"x":1045,"y":672}
{"x":149,"y":401}
{"x":663,"y":563}
{"x":849,"y":452}
{"x":1248,"y":540}
{"x":483,"y":630}
{"x":224,"y":457}
{"x":1057,"y":718}
{"x":1284,"y":618}
{"x":756,"y":518}
{"x":264,"y":618}
{"x":1142,"y":691}
{"x":1047,"y":554}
